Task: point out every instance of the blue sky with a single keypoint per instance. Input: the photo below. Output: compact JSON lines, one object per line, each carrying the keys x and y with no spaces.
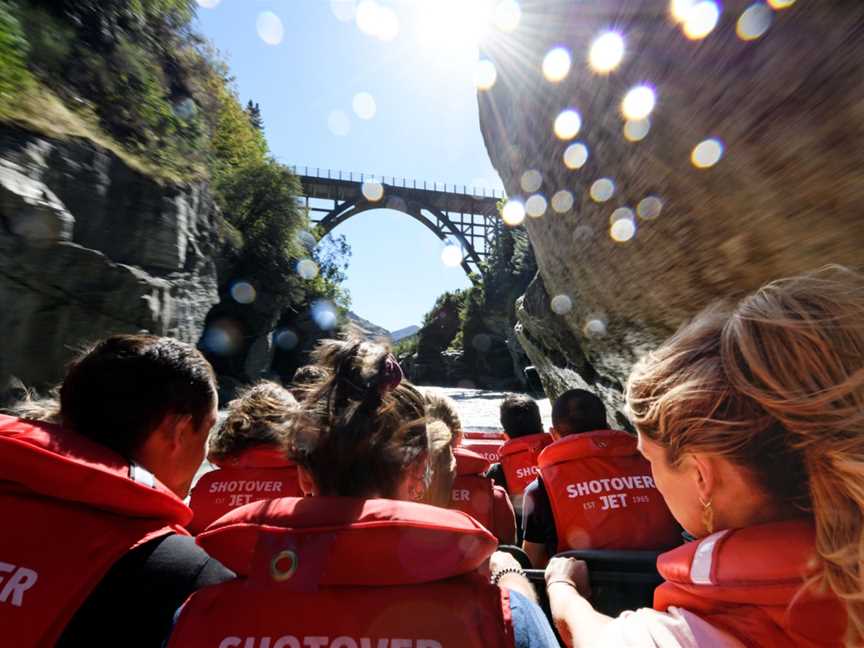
{"x":425,"y":124}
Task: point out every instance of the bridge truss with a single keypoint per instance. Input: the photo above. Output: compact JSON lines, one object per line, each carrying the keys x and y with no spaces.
{"x":457,"y":214}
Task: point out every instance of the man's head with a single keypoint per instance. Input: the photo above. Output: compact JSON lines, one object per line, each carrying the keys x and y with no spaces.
{"x":577,"y":411}
{"x":520,"y":416}
{"x":151,"y":399}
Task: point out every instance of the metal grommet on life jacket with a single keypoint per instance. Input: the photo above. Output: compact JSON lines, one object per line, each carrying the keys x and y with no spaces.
{"x":277,"y":572}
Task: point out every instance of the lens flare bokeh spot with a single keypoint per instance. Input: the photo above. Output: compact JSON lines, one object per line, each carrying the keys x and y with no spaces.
{"x":602,"y":190}
{"x":567,"y":124}
{"x":485,"y":74}
{"x":606,"y":52}
{"x":562,"y":201}
{"x":270,"y":29}
{"x":638,"y":103}
{"x":707,"y":153}
{"x":561,"y":304}
{"x":754,"y":22}
{"x":307,"y":269}
{"x":513,"y":213}
{"x":243,"y":292}
{"x":635,"y":130}
{"x":535,"y":206}
{"x":575,"y":155}
{"x":530,"y":181}
{"x":556,"y":64}
{"x":372,"y":190}
{"x":649,"y":208}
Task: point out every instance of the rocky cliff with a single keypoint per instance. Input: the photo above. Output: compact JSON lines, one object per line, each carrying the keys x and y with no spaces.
{"x":784,"y":197}
{"x":88,"y":247}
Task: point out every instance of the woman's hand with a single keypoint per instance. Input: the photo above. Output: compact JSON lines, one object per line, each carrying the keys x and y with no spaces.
{"x":570,"y":572}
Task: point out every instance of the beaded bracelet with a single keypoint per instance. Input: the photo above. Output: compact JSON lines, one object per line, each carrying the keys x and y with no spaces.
{"x":507,"y":570}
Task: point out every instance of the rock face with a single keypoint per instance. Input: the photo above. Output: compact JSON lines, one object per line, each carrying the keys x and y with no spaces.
{"x":785,"y":197}
{"x":89,"y":247}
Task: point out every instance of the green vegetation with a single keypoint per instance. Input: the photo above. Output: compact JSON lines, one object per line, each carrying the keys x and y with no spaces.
{"x":133,"y":77}
{"x":478,"y":320}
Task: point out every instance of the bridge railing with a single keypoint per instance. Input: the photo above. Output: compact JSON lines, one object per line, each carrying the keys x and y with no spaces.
{"x":405,"y":183}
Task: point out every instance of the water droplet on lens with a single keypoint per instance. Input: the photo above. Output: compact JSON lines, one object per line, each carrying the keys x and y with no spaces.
{"x":324,"y":314}
{"x":649,"y":207}
{"x":602,"y":190}
{"x":575,"y":155}
{"x":562,"y":201}
{"x":485,"y":74}
{"x":338,"y":123}
{"x":364,"y":105}
{"x":754,"y":22}
{"x":567,"y":124}
{"x":606,"y":52}
{"x":635,"y":130}
{"x":561,"y":304}
{"x":513,"y":213}
{"x":285,"y":339}
{"x":531,"y":181}
{"x":556,"y":64}
{"x":707,"y":153}
{"x":372,"y":190}
{"x":307,"y":269}
{"x":638,"y":102}
{"x":535,"y":206}
{"x":243,"y":292}
{"x":270,"y":29}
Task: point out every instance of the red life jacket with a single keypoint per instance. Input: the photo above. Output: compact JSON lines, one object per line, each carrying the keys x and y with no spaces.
{"x":340,"y":572}
{"x":519,"y":460}
{"x":749,"y":583}
{"x":72,"y":509}
{"x":476,"y":495}
{"x":258,"y":473}
{"x":485,"y":443}
{"x":603,"y":495}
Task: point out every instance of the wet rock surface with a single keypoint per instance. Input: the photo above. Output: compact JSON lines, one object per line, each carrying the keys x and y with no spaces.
{"x":785,"y":197}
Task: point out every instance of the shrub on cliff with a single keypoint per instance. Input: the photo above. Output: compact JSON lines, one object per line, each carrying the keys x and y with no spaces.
{"x":13,"y":57}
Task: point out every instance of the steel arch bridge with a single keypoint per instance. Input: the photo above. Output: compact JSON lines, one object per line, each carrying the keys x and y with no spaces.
{"x":459,"y":213}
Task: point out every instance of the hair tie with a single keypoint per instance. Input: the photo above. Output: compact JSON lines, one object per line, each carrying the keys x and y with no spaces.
{"x":391,"y":374}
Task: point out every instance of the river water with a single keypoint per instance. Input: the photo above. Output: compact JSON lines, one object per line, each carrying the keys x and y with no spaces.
{"x":479,"y":407}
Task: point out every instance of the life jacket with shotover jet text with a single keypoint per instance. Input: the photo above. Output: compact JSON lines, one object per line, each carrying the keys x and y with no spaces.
{"x":519,"y":460}
{"x":341,"y":572}
{"x":257,"y":473}
{"x":74,"y":508}
{"x":476,"y":495}
{"x":603,"y":495}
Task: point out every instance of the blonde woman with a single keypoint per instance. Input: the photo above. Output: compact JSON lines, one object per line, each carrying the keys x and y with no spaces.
{"x":752,"y":417}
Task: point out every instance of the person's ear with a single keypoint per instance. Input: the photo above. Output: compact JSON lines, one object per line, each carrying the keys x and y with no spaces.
{"x":307,"y":484}
{"x":704,"y":476}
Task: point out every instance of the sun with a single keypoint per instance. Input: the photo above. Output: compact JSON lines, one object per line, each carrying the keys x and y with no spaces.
{"x":454,"y":24}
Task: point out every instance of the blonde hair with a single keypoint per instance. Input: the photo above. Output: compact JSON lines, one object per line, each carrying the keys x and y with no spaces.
{"x":775,"y":384}
{"x":256,"y":417}
{"x":442,"y":408}
{"x":442,"y":464}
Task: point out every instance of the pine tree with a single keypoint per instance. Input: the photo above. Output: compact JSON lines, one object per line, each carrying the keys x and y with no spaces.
{"x":254,"y":112}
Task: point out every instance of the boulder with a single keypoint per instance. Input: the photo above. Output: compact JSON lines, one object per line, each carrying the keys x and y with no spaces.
{"x":785,"y":196}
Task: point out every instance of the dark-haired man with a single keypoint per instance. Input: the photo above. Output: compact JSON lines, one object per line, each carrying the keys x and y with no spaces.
{"x":594,"y":490}
{"x":95,"y":503}
{"x":520,"y":418}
